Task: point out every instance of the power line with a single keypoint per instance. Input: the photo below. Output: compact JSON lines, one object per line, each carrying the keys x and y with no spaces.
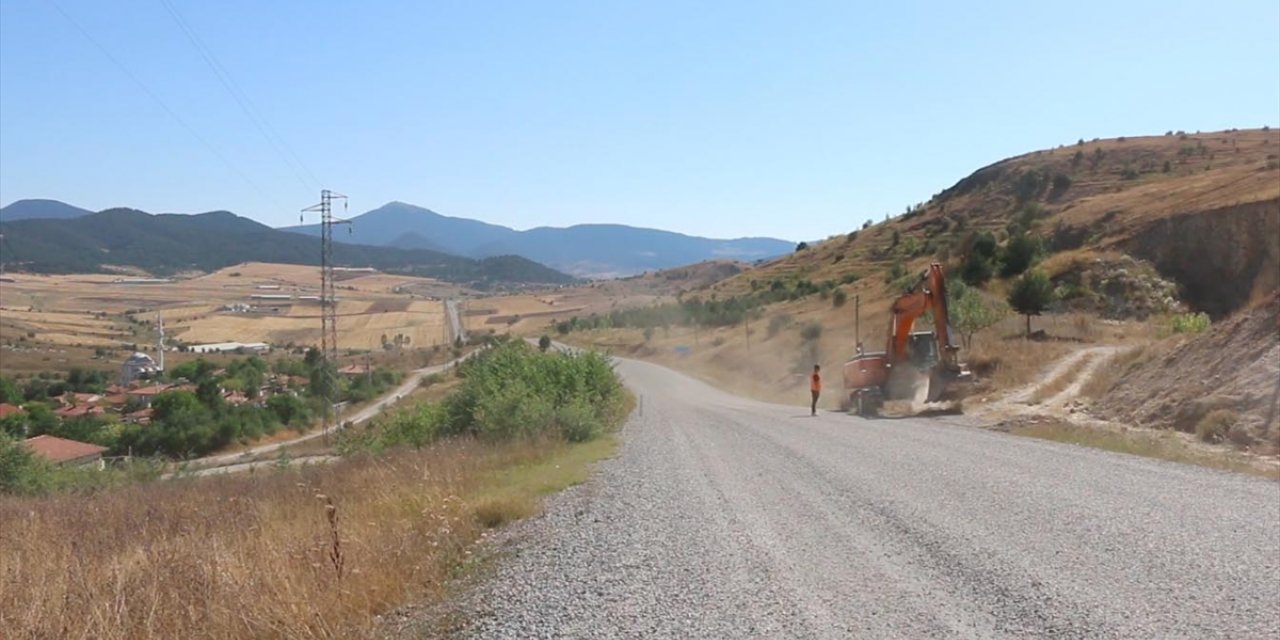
{"x":263,"y":126}
{"x":145,"y":89}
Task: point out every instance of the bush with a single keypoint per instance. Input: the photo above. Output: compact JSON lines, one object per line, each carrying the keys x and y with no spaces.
{"x":838,"y":298}
{"x":1215,"y":425}
{"x":1189,"y":323}
{"x":811,"y":332}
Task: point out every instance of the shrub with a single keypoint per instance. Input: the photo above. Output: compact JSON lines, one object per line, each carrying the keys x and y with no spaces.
{"x":1216,"y":424}
{"x":802,"y":246}
{"x":811,"y":332}
{"x":1189,"y":323}
{"x":838,"y":298}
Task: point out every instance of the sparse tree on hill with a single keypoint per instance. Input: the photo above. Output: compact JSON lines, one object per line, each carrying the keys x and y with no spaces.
{"x":1031,"y":295}
{"x":971,"y":311}
{"x":544,"y":342}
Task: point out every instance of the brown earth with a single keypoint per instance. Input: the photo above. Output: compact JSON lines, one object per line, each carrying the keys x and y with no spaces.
{"x":1235,"y":366}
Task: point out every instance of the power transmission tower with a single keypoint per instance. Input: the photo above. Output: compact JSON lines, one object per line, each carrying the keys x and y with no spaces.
{"x":328,"y":297}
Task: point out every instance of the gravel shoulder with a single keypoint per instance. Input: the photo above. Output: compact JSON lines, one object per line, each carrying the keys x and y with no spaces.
{"x":724,"y":517}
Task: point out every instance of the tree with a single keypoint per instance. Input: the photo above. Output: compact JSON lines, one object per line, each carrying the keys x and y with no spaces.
{"x":802,"y":246}
{"x":288,"y":408}
{"x":971,"y":311}
{"x":544,"y":343}
{"x":1031,"y":295}
{"x":1018,"y":255}
{"x":9,"y":391}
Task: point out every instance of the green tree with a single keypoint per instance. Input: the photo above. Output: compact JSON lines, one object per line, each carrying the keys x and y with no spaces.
{"x":9,"y":391}
{"x":288,"y":408}
{"x":41,"y":419}
{"x":802,"y":246}
{"x":1018,"y":255}
{"x":971,"y":311}
{"x":1031,"y":295}
{"x":544,"y":343}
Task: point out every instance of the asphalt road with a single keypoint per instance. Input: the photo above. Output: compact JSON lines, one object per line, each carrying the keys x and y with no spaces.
{"x":726,"y":518}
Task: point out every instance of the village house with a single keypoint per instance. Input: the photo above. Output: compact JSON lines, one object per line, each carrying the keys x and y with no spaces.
{"x":66,"y":452}
{"x":7,"y":409}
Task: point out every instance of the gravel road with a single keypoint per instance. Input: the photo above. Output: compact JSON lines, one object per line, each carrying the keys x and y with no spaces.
{"x":727,"y":518}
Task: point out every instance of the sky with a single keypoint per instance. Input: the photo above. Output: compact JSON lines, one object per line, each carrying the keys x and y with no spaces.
{"x":795,"y":120}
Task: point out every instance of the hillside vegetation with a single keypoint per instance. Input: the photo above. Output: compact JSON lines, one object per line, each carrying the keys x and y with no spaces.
{"x":1135,"y":232}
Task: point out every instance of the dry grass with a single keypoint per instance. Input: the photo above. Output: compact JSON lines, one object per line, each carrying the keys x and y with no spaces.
{"x":1109,"y":373}
{"x":1164,"y":445}
{"x":1006,"y":363}
{"x":311,"y":554}
{"x":1060,"y":382}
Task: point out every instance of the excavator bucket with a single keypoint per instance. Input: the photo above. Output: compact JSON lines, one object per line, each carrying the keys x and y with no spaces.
{"x":938,"y":380}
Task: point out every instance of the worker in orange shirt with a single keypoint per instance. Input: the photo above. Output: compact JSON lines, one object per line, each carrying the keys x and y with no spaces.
{"x":815,"y":387}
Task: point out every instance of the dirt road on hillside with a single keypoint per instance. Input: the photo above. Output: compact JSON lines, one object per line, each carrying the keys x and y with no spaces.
{"x":724,"y":517}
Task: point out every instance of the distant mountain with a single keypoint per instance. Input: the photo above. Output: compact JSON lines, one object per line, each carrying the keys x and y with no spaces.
{"x":167,"y":243}
{"x":37,"y":208}
{"x":595,"y":250}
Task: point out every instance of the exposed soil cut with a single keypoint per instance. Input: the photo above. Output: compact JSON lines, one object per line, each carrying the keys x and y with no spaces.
{"x":1234,"y":366}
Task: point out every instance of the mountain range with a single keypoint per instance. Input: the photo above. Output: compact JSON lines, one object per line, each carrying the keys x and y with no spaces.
{"x":585,"y":250}
{"x":168,"y":243}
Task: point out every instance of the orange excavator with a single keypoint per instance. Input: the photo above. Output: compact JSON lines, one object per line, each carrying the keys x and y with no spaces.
{"x":872,"y":378}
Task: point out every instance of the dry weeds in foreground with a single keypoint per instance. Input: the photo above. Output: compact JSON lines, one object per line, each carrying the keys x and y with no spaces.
{"x":261,"y":556}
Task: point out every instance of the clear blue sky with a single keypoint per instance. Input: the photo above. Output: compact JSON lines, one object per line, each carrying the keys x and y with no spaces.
{"x":790,"y":119}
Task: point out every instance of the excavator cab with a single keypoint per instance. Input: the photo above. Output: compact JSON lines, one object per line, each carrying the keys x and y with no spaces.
{"x":922,"y":350}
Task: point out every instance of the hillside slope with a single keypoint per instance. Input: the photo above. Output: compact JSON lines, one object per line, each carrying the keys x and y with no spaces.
{"x":39,"y":208}
{"x":1235,"y":366}
{"x":1203,"y":208}
{"x":169,"y":242}
{"x":589,"y":250}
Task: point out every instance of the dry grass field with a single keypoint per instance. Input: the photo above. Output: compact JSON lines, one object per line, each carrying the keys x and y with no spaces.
{"x":315,"y":553}
{"x":50,"y":322}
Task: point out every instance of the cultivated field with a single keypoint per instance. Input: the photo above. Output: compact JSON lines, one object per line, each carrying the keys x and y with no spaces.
{"x":72,"y":315}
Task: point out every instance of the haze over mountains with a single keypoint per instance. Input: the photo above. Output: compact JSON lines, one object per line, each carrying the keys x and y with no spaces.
{"x":587,"y":250}
{"x":169,"y":243}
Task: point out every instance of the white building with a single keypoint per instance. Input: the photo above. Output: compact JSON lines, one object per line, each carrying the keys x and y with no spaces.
{"x":137,"y":367}
{"x":217,"y":347}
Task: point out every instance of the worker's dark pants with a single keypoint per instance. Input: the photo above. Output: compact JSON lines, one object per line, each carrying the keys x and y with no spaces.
{"x":813,"y":408}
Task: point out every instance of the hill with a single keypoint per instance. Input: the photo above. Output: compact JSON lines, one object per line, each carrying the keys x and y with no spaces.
{"x":591,"y":250}
{"x":168,"y":243}
{"x":1203,"y":209}
{"x":1128,"y":230}
{"x":37,"y":208}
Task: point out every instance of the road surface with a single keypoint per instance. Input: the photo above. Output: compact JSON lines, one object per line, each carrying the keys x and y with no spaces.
{"x":722,"y":517}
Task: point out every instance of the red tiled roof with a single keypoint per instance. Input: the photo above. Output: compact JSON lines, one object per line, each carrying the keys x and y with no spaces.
{"x":7,"y":409}
{"x":79,"y":411}
{"x":117,"y":400}
{"x":63,"y":450}
{"x":142,"y":416}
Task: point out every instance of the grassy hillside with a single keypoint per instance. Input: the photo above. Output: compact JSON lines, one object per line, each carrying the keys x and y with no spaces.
{"x":1128,"y":230}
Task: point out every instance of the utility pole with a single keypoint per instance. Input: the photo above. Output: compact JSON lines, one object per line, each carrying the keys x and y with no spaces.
{"x":328,"y":297}
{"x":857,"y":320}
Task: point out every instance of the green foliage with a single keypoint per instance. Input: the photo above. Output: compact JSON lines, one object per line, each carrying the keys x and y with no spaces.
{"x":1190,"y":323}
{"x":544,"y":342}
{"x":896,"y":272}
{"x":802,"y":246}
{"x":21,"y":471}
{"x":511,"y":391}
{"x":1018,"y":255}
{"x":971,"y":311}
{"x":1031,"y":295}
{"x":838,"y":298}
{"x":9,"y":392}
{"x":289,"y":409}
